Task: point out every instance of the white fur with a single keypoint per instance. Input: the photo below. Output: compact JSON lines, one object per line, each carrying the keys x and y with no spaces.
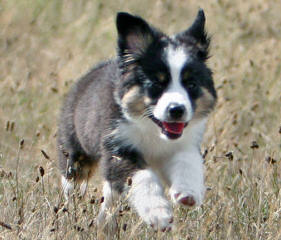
{"x":176,"y":59}
{"x":110,"y":196}
{"x":144,"y":135}
{"x":147,"y":197}
{"x":67,"y":186}
{"x":107,"y":227}
{"x":176,"y":162}
{"x":185,"y":176}
{"x":83,"y":187}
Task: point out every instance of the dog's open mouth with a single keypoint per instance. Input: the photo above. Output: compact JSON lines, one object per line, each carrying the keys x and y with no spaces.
{"x":172,"y":130}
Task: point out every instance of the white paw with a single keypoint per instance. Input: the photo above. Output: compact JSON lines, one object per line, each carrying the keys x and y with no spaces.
{"x":187,"y":197}
{"x":159,"y":217}
{"x":67,"y":186}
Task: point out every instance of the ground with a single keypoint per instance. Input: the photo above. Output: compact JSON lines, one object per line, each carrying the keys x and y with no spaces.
{"x":46,"y":45}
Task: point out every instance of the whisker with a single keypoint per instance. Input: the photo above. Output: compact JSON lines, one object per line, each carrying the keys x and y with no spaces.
{"x":147,"y":113}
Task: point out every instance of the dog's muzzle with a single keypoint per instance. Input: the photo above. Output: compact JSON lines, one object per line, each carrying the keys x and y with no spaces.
{"x":172,"y":129}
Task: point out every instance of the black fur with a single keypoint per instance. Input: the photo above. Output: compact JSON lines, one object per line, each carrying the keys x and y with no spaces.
{"x":197,"y":37}
{"x":84,"y":120}
{"x":91,"y":114}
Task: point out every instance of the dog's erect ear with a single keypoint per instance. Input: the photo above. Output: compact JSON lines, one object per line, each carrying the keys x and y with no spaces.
{"x":198,"y":33}
{"x":197,"y":29}
{"x":134,"y":34}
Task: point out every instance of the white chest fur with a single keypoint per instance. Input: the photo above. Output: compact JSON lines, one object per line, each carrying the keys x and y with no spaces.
{"x":145,"y":136}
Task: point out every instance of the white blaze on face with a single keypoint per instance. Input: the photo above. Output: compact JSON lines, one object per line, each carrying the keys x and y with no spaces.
{"x":175,"y":93}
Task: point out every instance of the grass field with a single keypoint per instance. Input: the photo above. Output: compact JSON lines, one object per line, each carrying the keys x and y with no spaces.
{"x":46,"y":45}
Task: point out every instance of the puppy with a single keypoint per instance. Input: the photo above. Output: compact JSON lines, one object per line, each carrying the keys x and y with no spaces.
{"x":142,"y":115}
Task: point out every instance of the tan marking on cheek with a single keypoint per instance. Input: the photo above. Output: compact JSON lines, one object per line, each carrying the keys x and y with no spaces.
{"x":130,"y":95}
{"x":147,"y":100}
{"x":133,"y":102}
{"x":204,"y":104}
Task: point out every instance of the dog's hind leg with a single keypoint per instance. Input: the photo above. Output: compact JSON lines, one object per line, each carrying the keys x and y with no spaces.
{"x":67,"y":186}
{"x":76,"y":169}
{"x":70,"y":185}
{"x":84,"y":178}
{"x":83,"y":187}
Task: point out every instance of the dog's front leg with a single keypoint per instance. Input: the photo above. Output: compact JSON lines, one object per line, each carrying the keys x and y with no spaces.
{"x":147,"y":197}
{"x":185,"y":176}
{"x":106,"y":221}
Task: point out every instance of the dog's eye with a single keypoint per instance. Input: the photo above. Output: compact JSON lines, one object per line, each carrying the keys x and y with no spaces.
{"x":161,"y":77}
{"x":186,"y":75}
{"x":191,"y":85}
{"x":187,"y":81}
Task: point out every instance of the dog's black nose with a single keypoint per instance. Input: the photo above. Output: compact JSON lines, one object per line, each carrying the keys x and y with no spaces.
{"x":176,"y":111}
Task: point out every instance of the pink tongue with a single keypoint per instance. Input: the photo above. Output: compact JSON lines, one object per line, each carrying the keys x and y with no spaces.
{"x":174,"y":127}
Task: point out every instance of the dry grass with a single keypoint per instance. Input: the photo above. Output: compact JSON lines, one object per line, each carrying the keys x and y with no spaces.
{"x":45,"y":45}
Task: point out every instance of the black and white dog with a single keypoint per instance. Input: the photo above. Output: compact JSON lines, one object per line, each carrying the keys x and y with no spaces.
{"x":143,"y":116}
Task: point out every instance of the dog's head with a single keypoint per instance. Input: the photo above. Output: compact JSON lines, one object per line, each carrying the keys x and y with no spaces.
{"x":164,"y":78}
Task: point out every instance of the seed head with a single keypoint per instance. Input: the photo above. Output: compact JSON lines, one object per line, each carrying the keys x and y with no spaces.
{"x":270,"y":160}
{"x":45,"y":154}
{"x":42,"y":171}
{"x":21,"y":143}
{"x":229,"y":155}
{"x":254,"y":145}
